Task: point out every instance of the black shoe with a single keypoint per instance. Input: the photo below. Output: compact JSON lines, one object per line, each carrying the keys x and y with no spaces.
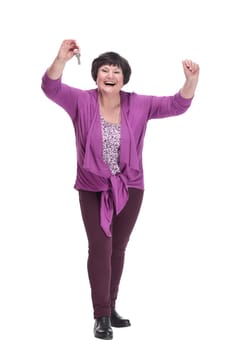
{"x":118,"y":321}
{"x":102,"y":328}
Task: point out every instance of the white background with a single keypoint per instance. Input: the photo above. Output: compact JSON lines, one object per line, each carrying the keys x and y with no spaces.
{"x":177,"y":284}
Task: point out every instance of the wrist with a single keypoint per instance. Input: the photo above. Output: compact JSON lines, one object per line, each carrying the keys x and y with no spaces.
{"x":60,"y":61}
{"x":188,"y":90}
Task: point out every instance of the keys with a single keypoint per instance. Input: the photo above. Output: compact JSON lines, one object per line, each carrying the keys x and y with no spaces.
{"x":78,"y":57}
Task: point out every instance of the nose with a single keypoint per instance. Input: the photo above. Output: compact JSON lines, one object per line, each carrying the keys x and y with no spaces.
{"x":110,"y":74}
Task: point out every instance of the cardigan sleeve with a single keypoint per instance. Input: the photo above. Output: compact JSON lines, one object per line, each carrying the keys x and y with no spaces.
{"x":65,"y":96}
{"x":166,"y":106}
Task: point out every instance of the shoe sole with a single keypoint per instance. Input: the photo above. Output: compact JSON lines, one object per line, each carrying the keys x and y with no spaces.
{"x":108,"y":337}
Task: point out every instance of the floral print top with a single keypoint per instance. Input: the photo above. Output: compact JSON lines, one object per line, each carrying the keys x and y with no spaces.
{"x":111,"y":145}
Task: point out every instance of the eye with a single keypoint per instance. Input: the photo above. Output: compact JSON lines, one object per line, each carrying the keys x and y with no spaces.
{"x":104,"y":70}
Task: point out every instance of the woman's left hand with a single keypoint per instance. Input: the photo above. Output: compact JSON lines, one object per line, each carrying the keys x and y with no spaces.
{"x":191,"y":69}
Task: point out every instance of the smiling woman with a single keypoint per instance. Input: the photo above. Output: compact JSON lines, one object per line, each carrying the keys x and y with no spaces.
{"x":110,"y":127}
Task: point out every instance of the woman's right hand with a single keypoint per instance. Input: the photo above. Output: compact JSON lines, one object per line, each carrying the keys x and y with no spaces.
{"x":67,"y":50}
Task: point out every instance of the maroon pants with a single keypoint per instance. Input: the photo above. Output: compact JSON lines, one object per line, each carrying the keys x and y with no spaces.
{"x":106,"y":254}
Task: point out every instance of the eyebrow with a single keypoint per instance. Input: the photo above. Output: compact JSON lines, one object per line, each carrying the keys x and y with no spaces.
{"x":107,"y":66}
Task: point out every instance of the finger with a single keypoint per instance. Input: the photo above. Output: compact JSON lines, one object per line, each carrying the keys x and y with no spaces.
{"x":75,"y":47}
{"x":189,"y":65}
{"x":77,"y":51}
{"x":186,"y":64}
{"x":70,"y":44}
{"x":195,"y":67}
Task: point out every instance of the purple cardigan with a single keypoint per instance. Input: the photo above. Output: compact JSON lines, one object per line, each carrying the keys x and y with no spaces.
{"x":92,"y":172}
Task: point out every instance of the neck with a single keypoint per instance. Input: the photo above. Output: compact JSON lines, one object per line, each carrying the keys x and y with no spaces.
{"x":109,"y":101}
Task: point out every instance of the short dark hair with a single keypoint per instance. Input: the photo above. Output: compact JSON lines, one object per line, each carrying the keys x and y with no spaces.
{"x":112,"y":59}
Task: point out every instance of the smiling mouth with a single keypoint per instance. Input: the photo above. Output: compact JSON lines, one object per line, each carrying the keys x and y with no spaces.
{"x":109,"y":83}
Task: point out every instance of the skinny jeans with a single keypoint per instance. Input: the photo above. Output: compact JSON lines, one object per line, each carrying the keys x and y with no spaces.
{"x":106,"y":254}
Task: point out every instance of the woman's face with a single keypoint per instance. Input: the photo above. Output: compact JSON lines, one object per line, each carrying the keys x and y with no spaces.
{"x":110,"y":79}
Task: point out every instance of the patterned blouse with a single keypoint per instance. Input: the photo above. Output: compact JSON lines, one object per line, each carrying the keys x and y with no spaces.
{"x":111,"y":145}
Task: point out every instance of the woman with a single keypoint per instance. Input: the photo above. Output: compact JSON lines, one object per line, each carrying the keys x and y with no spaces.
{"x":110,"y":125}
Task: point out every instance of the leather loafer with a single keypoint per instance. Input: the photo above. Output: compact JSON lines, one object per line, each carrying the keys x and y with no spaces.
{"x":118,"y":321}
{"x":102,"y":328}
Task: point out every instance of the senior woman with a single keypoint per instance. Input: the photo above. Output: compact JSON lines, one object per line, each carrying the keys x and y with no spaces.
{"x":110,"y":126}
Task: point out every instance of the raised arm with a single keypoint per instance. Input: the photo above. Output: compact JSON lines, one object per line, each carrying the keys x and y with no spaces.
{"x":65,"y":96}
{"x":67,"y":50}
{"x":191,"y":72}
{"x":167,"y":106}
